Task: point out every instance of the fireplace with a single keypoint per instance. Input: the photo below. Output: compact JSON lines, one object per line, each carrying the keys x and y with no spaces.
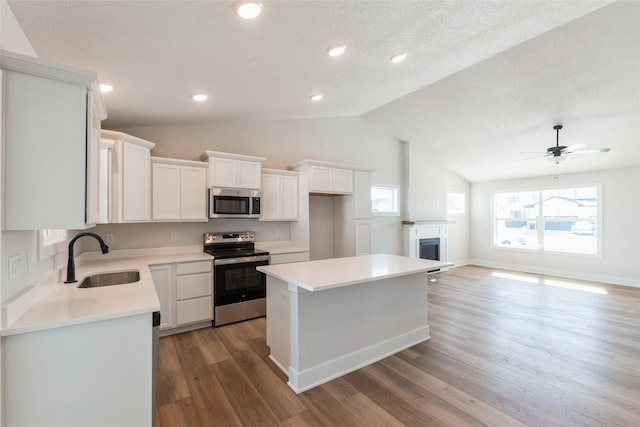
{"x":429,"y":248}
{"x":427,"y":240}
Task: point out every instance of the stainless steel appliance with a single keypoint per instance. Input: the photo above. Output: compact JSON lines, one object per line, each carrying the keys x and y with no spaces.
{"x":234,"y":203}
{"x":239,"y":289}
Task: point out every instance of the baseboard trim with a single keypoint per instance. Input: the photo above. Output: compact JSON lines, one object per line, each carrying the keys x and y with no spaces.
{"x":613,"y":280}
{"x":320,"y":374}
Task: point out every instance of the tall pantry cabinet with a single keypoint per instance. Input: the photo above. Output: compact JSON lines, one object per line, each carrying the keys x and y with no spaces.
{"x":51,"y":122}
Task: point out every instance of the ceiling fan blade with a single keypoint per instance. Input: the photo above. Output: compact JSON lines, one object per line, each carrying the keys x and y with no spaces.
{"x":590,"y":151}
{"x":534,"y":157}
{"x":573,"y":147}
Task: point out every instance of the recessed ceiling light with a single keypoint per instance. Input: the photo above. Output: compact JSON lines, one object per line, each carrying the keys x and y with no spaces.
{"x":336,"y":50}
{"x":199,"y":97}
{"x":316,"y":97}
{"x":399,"y":57}
{"x":247,"y":9}
{"x":105,"y":88}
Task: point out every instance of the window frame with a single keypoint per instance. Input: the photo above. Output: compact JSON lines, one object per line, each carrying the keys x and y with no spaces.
{"x":540,"y":220}
{"x":395,"y":189}
{"x":464,"y":203}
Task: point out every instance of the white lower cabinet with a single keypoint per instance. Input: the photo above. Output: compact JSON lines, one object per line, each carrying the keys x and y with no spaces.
{"x":363,"y":237}
{"x":185,"y":291}
{"x":95,"y":374}
{"x":163,"y":279}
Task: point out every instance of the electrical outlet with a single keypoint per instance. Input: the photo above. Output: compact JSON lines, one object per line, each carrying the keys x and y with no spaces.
{"x":110,"y":238}
{"x":29,"y":259}
{"x":14,"y":266}
{"x":174,"y":235}
{"x":276,"y":232}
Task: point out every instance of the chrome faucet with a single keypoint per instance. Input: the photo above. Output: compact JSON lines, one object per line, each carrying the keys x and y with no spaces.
{"x":71,"y":266}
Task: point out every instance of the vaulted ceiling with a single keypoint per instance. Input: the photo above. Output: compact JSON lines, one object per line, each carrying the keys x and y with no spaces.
{"x":483,"y":83}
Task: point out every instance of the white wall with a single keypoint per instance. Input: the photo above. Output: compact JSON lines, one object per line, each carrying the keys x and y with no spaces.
{"x":458,"y":230}
{"x":620,"y":200}
{"x":426,"y":190}
{"x":349,"y":140}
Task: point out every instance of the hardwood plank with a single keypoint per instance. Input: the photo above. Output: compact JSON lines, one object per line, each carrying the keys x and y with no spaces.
{"x":249,"y":406}
{"x":181,"y":413}
{"x":171,"y":385}
{"x":273,"y":388}
{"x":209,"y":398}
{"x":211,"y":347}
{"x":370,"y":413}
{"x":328,"y":410}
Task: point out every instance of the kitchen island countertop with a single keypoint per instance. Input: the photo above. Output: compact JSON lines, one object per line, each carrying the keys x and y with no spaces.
{"x":332,"y":273}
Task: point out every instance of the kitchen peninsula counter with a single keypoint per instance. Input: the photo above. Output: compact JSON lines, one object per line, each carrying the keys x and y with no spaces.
{"x":329,"y":317}
{"x":61,"y":305}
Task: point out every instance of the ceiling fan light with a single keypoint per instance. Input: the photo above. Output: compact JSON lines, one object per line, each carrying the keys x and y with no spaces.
{"x":558,"y":159}
{"x":247,"y":9}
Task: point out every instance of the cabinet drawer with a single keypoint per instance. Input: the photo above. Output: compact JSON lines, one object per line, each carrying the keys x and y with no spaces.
{"x":194,"y":267}
{"x":193,"y":286}
{"x":194,"y":310}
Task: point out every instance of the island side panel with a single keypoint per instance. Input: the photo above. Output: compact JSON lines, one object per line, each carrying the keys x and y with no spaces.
{"x":278,"y":323}
{"x":336,"y":331}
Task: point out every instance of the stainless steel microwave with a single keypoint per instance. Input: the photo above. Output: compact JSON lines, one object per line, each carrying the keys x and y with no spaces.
{"x":234,"y":203}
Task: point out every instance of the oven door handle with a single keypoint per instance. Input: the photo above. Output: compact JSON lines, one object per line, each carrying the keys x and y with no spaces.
{"x":241,"y":260}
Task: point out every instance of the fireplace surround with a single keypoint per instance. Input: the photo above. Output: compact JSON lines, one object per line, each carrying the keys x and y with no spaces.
{"x":426,"y":239}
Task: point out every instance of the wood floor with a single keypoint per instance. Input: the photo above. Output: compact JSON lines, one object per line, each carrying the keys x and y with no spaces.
{"x":506,"y":349}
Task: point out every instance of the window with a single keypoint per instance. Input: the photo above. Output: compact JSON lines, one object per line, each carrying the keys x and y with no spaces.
{"x":48,"y":242}
{"x":555,"y":220}
{"x":384,"y":200}
{"x":455,"y":203}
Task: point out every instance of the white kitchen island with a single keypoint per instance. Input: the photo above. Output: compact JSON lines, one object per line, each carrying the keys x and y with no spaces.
{"x":329,"y":317}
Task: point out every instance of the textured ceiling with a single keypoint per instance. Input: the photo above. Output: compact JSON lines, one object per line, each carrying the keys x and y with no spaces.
{"x":481,"y":77}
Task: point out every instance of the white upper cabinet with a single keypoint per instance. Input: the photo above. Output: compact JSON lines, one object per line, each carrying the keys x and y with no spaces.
{"x":51,"y":121}
{"x":233,"y":170}
{"x":179,"y":190}
{"x":129,"y":177}
{"x":328,"y":178}
{"x":279,"y":200}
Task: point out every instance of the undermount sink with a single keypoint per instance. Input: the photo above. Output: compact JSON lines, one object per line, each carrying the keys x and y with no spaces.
{"x":109,"y":279}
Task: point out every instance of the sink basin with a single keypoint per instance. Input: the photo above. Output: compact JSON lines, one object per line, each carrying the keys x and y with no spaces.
{"x":109,"y":279}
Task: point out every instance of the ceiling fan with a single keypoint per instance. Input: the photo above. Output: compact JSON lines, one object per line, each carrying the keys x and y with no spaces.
{"x":561,"y":152}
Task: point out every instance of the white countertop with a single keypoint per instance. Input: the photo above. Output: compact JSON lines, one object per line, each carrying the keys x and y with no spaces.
{"x":336,"y":272}
{"x":277,"y":247}
{"x":66,"y":304}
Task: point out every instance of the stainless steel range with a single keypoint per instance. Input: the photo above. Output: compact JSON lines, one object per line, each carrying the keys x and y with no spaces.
{"x":239,"y":289}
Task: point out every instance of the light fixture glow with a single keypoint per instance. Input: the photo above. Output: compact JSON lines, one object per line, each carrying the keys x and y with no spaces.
{"x":316,"y":97}
{"x":336,"y":50}
{"x":247,"y":9}
{"x":199,"y":97}
{"x":399,"y":57}
{"x":558,"y":159}
{"x":104,"y":88}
